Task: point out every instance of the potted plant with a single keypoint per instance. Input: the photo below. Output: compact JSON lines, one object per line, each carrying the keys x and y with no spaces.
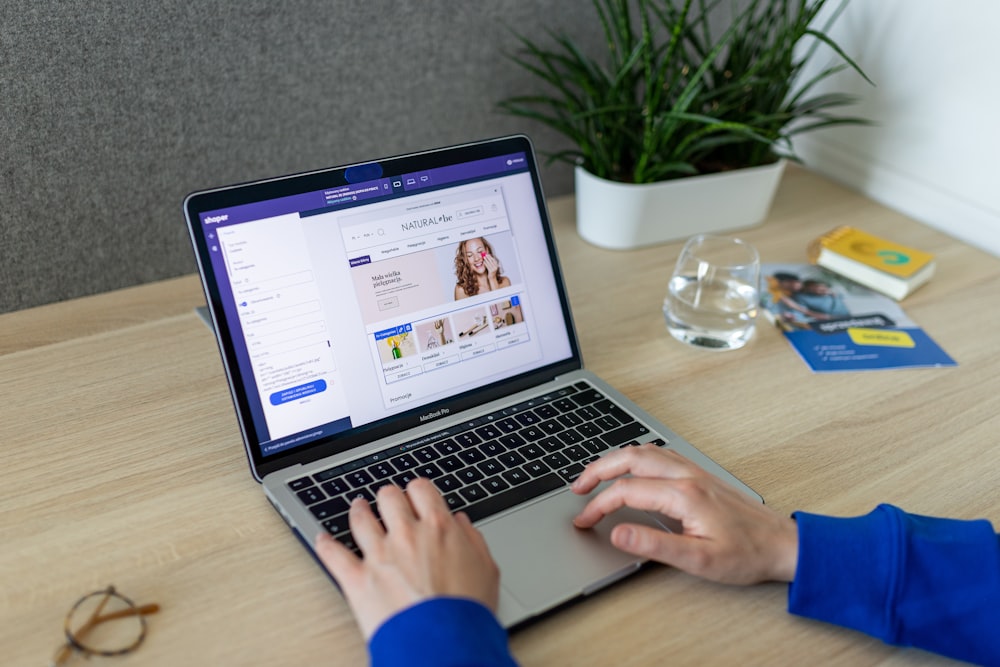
{"x":677,"y":130}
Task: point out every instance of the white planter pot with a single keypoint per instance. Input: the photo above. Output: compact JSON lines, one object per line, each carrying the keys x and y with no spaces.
{"x":621,"y":216}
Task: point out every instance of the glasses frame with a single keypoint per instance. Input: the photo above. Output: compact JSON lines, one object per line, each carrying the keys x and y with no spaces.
{"x":75,"y":638}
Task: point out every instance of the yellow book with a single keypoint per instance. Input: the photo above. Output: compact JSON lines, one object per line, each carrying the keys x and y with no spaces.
{"x":890,"y":268}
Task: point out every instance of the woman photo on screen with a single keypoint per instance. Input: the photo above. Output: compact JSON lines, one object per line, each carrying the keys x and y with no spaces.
{"x":477,"y":269}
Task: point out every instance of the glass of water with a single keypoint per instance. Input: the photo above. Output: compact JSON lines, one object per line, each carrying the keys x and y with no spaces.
{"x":712,"y":298}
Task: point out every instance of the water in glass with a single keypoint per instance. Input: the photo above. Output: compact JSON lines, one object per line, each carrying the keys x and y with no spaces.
{"x":718,"y":313}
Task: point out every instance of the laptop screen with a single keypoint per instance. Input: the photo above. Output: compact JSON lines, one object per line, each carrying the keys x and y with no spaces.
{"x":397,"y":292}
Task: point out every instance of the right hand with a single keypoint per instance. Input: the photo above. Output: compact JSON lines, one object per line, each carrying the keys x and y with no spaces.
{"x":727,"y":537}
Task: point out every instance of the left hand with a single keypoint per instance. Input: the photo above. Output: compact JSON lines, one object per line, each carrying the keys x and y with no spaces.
{"x":423,"y":552}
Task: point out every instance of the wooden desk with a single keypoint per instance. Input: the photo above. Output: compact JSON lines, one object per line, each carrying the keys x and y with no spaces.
{"x":123,"y":463}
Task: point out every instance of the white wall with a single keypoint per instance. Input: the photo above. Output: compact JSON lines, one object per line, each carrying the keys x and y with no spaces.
{"x":935,"y":153}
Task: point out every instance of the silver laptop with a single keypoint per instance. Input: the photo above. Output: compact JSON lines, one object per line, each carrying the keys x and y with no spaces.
{"x":407,"y":317}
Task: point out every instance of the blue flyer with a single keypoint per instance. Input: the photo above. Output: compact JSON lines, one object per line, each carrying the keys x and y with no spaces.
{"x":836,"y":324}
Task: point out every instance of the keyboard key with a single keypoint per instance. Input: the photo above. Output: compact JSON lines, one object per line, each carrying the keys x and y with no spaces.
{"x":472,"y":493}
{"x":565,"y":405}
{"x":447,"y":483}
{"x":512,"y":440}
{"x":404,"y":478}
{"x":546,"y":411}
{"x":555,"y":461}
{"x":589,"y":430}
{"x":551,"y":427}
{"x":594,"y":446}
{"x":508,"y":425}
{"x":471,"y":456}
{"x":576,"y":453}
{"x":612,"y":410}
{"x":360,"y":493}
{"x":451,"y":463}
{"x":404,"y":462}
{"x":570,"y":472}
{"x":536,"y":468}
{"x":587,"y":396}
{"x":329,"y":509}
{"x":495,"y":485}
{"x":489,"y":432}
{"x":511,"y":459}
{"x":527,"y":418}
{"x":492,"y":448}
{"x":531,"y":451}
{"x":311,"y":495}
{"x":469,"y":475}
{"x":550,"y":444}
{"x":448,"y":446}
{"x":587,"y":413}
{"x":381,"y":470}
{"x":426,"y":454}
{"x":454,"y":501}
{"x":607,"y":423}
{"x":514,"y":496}
{"x":337,"y":524}
{"x":358,"y":479}
{"x":515,"y":476}
{"x":569,"y":419}
{"x":428,"y":470}
{"x":300,"y":483}
{"x":490,"y":467}
{"x":335,"y":487}
{"x":623,"y":434}
{"x":468,"y":439}
{"x":532,"y":433}
{"x":570,"y":437}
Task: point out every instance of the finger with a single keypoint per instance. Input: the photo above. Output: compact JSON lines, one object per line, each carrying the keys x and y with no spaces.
{"x":473,"y":535}
{"x":365,"y":528}
{"x":636,"y":492}
{"x":645,"y":461}
{"x":394,"y":507}
{"x":686,"y":553}
{"x":339,"y":561}
{"x":426,"y":500}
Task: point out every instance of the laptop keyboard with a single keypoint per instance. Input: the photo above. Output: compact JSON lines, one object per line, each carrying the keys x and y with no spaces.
{"x":487,"y":465}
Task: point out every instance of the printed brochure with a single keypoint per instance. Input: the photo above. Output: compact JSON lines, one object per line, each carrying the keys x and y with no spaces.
{"x":838,"y":325}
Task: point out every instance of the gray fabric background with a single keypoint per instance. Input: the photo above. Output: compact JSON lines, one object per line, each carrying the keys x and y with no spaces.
{"x":113,"y":111}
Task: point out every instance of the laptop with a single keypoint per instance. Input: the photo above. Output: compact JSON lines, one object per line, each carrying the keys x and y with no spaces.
{"x":407,"y":317}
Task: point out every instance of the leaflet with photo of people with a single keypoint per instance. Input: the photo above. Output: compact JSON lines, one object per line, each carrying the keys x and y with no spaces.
{"x":836,"y":324}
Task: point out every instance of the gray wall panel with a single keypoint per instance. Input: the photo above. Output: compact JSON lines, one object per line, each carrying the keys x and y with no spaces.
{"x":113,"y":111}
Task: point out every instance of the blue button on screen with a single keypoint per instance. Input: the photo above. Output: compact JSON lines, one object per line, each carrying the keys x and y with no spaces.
{"x":295,"y":393}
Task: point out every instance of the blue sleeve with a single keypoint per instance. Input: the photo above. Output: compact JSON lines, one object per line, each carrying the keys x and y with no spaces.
{"x":441,"y":632}
{"x":909,"y":580}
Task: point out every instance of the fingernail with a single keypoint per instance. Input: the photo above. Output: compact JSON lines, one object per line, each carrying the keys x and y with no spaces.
{"x":624,"y":536}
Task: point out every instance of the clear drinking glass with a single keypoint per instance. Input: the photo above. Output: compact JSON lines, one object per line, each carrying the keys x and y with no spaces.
{"x":712,"y":297}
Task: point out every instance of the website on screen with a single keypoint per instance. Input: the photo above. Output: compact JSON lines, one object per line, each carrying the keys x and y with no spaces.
{"x":351,"y":315}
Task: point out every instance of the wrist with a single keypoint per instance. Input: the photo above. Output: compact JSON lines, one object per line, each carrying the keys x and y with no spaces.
{"x":786,"y":556}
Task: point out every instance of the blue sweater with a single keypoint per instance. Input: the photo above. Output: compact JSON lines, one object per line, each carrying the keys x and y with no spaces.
{"x":906,"y":579}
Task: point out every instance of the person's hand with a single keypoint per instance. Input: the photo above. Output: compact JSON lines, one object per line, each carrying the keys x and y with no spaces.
{"x":423,"y":552}
{"x":727,"y":536}
{"x":492,"y":265}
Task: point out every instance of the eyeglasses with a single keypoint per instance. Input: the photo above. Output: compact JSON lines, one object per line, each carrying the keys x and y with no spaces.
{"x":89,"y":630}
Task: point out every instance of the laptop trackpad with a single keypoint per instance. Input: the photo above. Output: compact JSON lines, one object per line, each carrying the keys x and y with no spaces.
{"x":544,"y":560}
